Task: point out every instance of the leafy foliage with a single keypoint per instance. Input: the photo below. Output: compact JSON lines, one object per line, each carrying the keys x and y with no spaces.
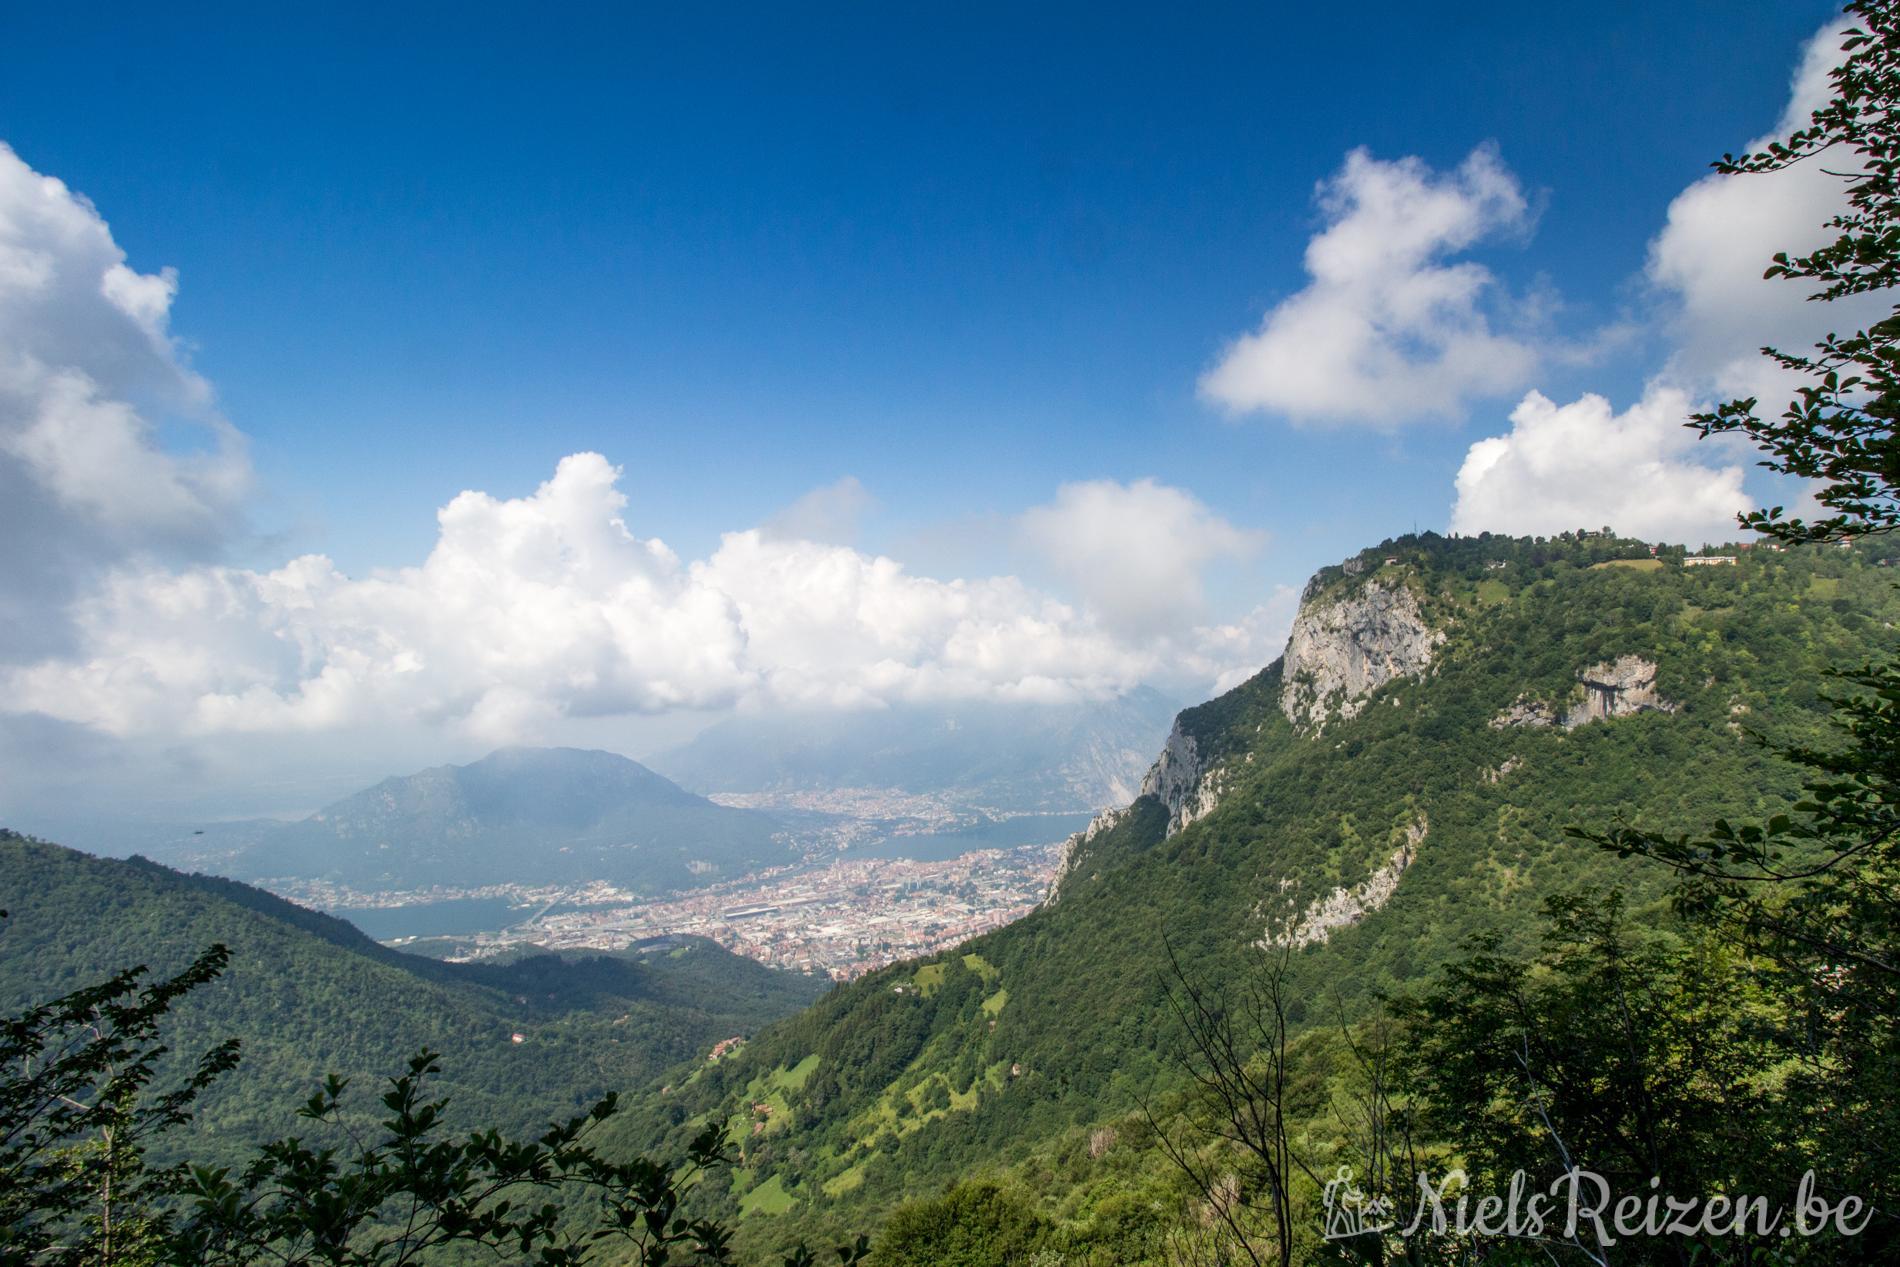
{"x":307,"y":995}
{"x":75,"y":1122}
{"x":915,"y":1082}
{"x":74,"y":1119}
{"x":1839,"y":429}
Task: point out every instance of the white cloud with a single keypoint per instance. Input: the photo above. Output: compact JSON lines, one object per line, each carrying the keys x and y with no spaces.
{"x":828,"y":513}
{"x":1389,"y":328}
{"x":1580,"y":465}
{"x":87,"y":364}
{"x":1722,"y":232}
{"x":533,"y":610}
{"x":1643,"y":471}
{"x":1134,"y":553}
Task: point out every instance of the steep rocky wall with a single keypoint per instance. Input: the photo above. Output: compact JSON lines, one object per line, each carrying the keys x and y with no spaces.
{"x":1183,"y":781}
{"x":1617,"y":688}
{"x":1344,"y":907}
{"x":1614,"y":688}
{"x":1343,"y":650}
{"x":1179,"y":779}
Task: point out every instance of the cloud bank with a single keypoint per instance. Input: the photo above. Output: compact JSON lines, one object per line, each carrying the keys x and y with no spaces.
{"x":1642,"y":471}
{"x":1134,"y":552}
{"x":1582,"y":465}
{"x":1722,"y":232}
{"x":547,"y":607}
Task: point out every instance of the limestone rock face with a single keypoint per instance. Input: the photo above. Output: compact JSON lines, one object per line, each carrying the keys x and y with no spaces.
{"x":1525,"y":712}
{"x":1342,"y":651}
{"x":1618,"y":688}
{"x":1180,"y":780}
{"x":1615,"y":688}
{"x":1344,"y":907}
{"x":1076,"y":845}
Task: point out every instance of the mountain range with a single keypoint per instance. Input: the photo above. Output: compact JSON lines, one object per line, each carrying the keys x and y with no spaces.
{"x":1402,"y":781}
{"x":308,"y":994}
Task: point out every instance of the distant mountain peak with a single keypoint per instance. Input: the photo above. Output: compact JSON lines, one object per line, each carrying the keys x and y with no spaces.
{"x":522,"y":815}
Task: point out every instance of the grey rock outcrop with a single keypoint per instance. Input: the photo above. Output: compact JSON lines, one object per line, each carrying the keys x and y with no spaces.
{"x":1344,"y":907}
{"x":1077,"y":845}
{"x":1614,"y":688}
{"x":1182,"y":781}
{"x":1525,"y":712}
{"x":1618,"y":688}
{"x":1341,"y":651}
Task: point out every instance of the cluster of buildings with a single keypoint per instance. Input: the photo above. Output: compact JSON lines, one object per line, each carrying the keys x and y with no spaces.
{"x":842,"y":918}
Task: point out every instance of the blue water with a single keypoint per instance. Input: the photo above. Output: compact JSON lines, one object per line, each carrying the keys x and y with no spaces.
{"x":1035,"y":829}
{"x":455,"y":917}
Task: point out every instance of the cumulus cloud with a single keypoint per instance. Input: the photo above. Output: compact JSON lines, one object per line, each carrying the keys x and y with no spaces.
{"x":1134,"y":552}
{"x":1581,"y":465}
{"x":1722,"y":232}
{"x":532,"y":610}
{"x":1390,"y":327}
{"x":88,"y":366}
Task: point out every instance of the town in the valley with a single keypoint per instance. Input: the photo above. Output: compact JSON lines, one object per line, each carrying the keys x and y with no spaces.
{"x":837,"y":912}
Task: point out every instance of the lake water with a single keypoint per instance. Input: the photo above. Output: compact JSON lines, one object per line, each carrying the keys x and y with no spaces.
{"x":1034,"y":829}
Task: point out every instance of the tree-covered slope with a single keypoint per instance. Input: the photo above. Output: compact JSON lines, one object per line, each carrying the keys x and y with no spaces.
{"x":308,"y":994}
{"x":1402,"y":781}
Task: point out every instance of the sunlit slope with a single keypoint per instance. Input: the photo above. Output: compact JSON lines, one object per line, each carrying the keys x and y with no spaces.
{"x":1403,"y":780}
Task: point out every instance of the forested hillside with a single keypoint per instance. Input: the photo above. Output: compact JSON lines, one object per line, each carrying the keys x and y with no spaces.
{"x":1402,"y":784}
{"x":309,"y":995}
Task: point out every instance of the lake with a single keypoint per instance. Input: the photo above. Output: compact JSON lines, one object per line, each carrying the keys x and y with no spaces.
{"x":1032,"y":829}
{"x":455,"y":917}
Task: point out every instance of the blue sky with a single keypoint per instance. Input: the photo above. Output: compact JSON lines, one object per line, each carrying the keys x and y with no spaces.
{"x":747,"y":253}
{"x":964,"y":256}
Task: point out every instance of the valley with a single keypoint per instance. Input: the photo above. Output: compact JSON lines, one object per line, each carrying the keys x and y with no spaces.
{"x":842,"y":916}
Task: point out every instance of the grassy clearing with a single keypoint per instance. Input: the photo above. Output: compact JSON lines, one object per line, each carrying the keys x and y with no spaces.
{"x":981,"y":967}
{"x":995,"y":1003}
{"x":1639,"y":565}
{"x":795,"y":1078}
{"x":845,"y":1181}
{"x":769,"y":1197}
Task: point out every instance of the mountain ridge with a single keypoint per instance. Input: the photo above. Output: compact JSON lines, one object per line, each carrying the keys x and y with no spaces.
{"x":1372,"y":825}
{"x":519,"y":815}
{"x":307,"y":994}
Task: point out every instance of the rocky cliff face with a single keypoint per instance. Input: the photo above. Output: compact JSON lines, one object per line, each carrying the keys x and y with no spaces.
{"x":1344,"y":907}
{"x":1615,"y":688}
{"x":1341,"y":651}
{"x":1181,"y":780}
